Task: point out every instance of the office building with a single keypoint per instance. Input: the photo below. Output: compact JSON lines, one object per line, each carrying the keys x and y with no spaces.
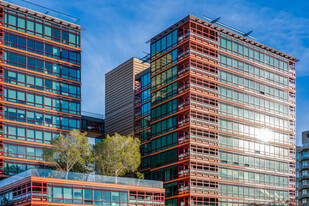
{"x":93,"y":124}
{"x":222,"y":117}
{"x":142,"y":109}
{"x":40,"y":89}
{"x":40,"y":83}
{"x":51,"y":187}
{"x":119,"y":97}
{"x":302,"y":170}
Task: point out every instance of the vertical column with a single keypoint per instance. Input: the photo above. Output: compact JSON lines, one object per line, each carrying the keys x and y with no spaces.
{"x":203,"y":90}
{"x":1,"y":89}
{"x":292,"y":114}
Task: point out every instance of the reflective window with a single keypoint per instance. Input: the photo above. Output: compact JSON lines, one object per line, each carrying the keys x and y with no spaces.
{"x":34,"y":26}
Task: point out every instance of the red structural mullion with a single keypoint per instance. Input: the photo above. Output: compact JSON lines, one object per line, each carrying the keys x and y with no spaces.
{"x":39,"y":190}
{"x":203,"y":31}
{"x":1,"y":92}
{"x":1,"y":13}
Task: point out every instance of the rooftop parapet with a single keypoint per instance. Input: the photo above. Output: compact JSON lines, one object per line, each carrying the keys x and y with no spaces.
{"x":42,"y":12}
{"x":55,"y":174}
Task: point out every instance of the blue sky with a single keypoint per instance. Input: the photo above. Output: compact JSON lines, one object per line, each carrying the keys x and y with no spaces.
{"x":117,"y":30}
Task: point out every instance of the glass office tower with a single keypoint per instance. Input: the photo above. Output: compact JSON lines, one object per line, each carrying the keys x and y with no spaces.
{"x":40,"y":84}
{"x":142,"y":109}
{"x":222,"y":117}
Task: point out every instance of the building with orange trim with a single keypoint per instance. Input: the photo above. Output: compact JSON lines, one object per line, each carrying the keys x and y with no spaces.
{"x":40,"y":83}
{"x":42,"y":187}
{"x":302,"y":170}
{"x":142,"y":107}
{"x":222,"y":123}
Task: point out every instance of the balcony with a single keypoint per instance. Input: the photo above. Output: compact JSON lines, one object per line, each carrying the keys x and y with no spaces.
{"x":194,"y":172}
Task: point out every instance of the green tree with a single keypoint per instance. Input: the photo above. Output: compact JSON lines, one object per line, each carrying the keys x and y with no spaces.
{"x":70,"y":152}
{"x":117,"y":155}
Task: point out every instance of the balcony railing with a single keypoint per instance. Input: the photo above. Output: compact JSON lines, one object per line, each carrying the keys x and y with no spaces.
{"x":94,"y":115}
{"x":80,"y":177}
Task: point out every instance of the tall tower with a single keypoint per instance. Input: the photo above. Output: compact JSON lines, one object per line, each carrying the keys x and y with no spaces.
{"x":40,"y":83}
{"x":222,"y":117}
{"x":119,"y":97}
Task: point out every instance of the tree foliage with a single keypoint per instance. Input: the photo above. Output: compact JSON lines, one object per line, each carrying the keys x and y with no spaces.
{"x":70,"y":152}
{"x":117,"y":155}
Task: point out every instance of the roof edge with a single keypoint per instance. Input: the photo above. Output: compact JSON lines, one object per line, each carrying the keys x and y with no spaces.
{"x":40,"y":15}
{"x":225,"y":31}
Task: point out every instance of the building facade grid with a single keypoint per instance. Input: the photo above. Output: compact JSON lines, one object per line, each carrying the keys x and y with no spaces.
{"x":222,"y":126}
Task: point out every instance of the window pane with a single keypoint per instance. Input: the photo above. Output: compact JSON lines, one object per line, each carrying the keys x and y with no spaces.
{"x":115,"y":196}
{"x":123,"y":197}
{"x":21,"y":24}
{"x":58,"y":191}
{"x":30,"y":25}
{"x":97,"y":195}
{"x":106,"y":196}
{"x":68,"y":193}
{"x":78,"y":194}
{"x":88,"y":194}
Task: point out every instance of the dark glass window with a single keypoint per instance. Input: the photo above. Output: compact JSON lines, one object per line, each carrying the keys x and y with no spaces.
{"x":64,"y":54}
{"x":88,"y":194}
{"x":65,"y":37}
{"x":21,"y":43}
{"x":39,"y":47}
{"x":12,"y":39}
{"x":56,"y":34}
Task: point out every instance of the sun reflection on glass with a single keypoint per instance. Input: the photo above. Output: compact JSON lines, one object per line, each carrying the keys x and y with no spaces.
{"x":265,"y":135}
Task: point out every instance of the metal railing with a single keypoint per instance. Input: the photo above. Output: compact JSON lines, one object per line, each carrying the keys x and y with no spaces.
{"x":55,"y":174}
{"x":91,"y":114}
{"x":44,"y":10}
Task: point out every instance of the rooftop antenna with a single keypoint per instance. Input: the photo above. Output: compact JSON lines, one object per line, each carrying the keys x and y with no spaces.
{"x":37,"y":5}
{"x":145,"y":58}
{"x":247,"y":34}
{"x":215,"y":21}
